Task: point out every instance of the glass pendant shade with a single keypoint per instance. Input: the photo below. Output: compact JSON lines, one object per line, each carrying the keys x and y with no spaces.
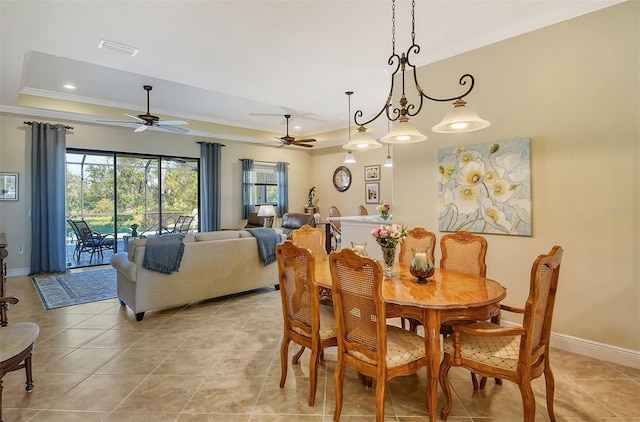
{"x":362,"y":141}
{"x":460,"y":119}
{"x":388,"y":162}
{"x":349,"y":158}
{"x":403,"y":132}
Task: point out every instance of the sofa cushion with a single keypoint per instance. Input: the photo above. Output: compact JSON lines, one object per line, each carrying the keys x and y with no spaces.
{"x":221,"y":235}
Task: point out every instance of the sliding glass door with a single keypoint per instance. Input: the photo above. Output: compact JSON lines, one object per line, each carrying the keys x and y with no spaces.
{"x":125,"y":195}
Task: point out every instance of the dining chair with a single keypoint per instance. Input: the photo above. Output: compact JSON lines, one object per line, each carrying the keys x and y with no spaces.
{"x":518,"y":353}
{"x":306,"y":321}
{"x":418,"y":237}
{"x":311,"y":238}
{"x":465,"y":252}
{"x":335,"y":225}
{"x":362,"y":210}
{"x":16,"y":345}
{"x":365,"y":342}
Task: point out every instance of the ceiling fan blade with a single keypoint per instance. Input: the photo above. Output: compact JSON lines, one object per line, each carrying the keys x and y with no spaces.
{"x":171,"y":122}
{"x":303,"y":145}
{"x":136,"y":118}
{"x":305,"y":140}
{"x":141,"y":128}
{"x":173,"y":129}
{"x":116,"y":121}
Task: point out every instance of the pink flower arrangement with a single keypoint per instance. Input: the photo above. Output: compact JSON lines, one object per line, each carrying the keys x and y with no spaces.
{"x":389,"y":236}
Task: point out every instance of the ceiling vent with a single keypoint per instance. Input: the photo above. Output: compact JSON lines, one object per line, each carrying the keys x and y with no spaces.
{"x":118,"y":48}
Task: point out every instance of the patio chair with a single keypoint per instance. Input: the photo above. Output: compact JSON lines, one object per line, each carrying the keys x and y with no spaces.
{"x":88,"y":240}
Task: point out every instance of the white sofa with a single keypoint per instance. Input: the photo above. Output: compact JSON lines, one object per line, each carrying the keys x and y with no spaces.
{"x":214,"y":264}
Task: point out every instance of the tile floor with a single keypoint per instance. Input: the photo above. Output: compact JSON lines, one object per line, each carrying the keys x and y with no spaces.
{"x":218,"y":361}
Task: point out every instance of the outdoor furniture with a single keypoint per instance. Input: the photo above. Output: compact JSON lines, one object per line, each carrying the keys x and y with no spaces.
{"x":306,"y":321}
{"x":88,"y":240}
{"x":518,"y":353}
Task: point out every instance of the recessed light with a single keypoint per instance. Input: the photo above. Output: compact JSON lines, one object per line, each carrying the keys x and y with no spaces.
{"x":69,"y":86}
{"x":118,"y":48}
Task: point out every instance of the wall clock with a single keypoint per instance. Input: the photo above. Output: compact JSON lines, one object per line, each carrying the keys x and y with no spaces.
{"x":342,"y":178}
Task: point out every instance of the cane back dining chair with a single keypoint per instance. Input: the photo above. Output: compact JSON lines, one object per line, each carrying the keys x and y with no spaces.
{"x":306,"y":321}
{"x":16,"y":344}
{"x":335,"y":225}
{"x":418,"y":237}
{"x":519,"y":353}
{"x":312,"y":238}
{"x":465,"y":252}
{"x":365,"y":342}
{"x":362,"y":210}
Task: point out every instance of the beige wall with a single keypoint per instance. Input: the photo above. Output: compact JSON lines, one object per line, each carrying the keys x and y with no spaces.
{"x":573,"y":88}
{"x":15,"y":157}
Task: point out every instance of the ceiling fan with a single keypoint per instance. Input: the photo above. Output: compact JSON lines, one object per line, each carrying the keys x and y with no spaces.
{"x":147,"y":120}
{"x":290,"y":140}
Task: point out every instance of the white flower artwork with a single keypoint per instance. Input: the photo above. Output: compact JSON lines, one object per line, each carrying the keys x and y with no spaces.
{"x":486,"y":188}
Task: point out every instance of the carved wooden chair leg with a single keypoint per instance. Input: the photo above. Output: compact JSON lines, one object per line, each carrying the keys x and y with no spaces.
{"x":297,"y":356}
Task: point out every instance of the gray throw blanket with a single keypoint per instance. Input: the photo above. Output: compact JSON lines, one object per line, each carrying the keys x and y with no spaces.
{"x":267,"y":240}
{"x":164,"y":253}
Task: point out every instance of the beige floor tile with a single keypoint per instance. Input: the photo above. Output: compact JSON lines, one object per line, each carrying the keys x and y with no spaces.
{"x":226,"y":395}
{"x":219,"y":361}
{"x":292,"y":399}
{"x":161,"y":393}
{"x":135,"y":362}
{"x":81,"y":361}
{"x":619,"y":396}
{"x":189,"y":362}
{"x":98,"y":392}
{"x":68,"y":416}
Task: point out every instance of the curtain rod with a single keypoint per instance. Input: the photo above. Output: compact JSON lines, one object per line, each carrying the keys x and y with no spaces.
{"x":216,"y":143}
{"x":66,"y":127}
{"x":262,"y":161}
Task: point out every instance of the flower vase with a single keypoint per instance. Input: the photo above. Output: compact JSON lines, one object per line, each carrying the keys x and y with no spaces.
{"x":385,"y":216}
{"x":389,"y":256}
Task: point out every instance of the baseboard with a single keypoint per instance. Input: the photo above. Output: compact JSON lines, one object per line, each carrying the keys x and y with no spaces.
{"x":594,"y":349}
{"x":17,"y":272}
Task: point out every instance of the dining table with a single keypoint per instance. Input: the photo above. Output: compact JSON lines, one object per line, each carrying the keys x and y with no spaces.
{"x":447,"y":296}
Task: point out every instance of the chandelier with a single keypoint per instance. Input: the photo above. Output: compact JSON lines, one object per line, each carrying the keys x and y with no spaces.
{"x":460,"y":119}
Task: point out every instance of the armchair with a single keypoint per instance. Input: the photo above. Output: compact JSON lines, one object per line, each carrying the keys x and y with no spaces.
{"x":294,"y":220}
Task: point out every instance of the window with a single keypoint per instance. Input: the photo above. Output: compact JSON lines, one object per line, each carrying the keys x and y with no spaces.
{"x":265,"y":183}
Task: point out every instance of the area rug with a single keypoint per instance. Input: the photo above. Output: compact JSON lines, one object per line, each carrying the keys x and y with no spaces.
{"x":75,"y":288}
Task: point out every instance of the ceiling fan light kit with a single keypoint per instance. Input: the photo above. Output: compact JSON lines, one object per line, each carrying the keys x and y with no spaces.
{"x":460,"y":119}
{"x":290,"y":140}
{"x":147,"y":120}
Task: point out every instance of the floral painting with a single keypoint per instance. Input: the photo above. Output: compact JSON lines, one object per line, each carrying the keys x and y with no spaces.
{"x":486,"y":188}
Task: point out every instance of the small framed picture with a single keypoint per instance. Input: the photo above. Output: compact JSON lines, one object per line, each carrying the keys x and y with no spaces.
{"x":372,"y":193}
{"x":8,"y":186}
{"x":371,"y":173}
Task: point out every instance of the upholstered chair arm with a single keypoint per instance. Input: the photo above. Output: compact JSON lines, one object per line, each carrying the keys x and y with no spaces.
{"x":511,"y":309}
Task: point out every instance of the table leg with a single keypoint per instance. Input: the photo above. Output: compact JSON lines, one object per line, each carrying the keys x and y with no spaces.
{"x":431,"y":322}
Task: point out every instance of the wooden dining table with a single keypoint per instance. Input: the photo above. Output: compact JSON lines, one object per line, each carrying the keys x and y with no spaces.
{"x":447,"y":296}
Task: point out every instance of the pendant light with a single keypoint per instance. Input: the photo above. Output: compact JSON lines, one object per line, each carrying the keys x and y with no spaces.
{"x":361,"y":140}
{"x":349,"y":158}
{"x":388,"y":162}
{"x":460,"y":119}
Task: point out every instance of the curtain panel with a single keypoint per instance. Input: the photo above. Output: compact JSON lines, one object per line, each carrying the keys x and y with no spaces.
{"x":282,"y":169}
{"x":248,"y":200}
{"x":211,"y":185}
{"x":48,"y":171}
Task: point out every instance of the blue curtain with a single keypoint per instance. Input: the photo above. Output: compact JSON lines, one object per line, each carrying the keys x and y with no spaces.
{"x":48,"y":234}
{"x":283,"y":188}
{"x":210,"y":183}
{"x":248,"y":200}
